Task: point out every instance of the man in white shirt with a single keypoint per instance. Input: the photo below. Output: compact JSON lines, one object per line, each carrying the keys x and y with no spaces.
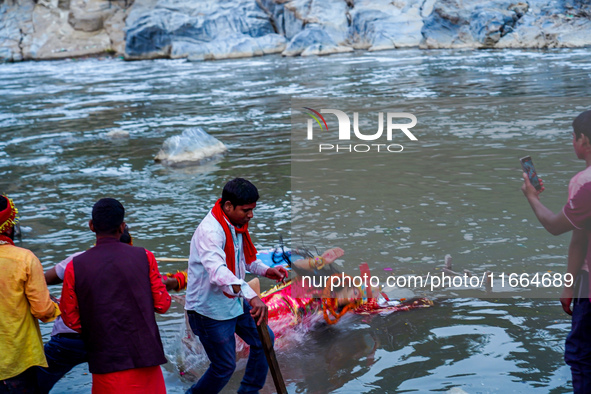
{"x":219,"y":302}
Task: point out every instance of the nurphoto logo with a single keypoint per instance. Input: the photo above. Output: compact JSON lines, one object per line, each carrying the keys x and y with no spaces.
{"x":344,"y":131}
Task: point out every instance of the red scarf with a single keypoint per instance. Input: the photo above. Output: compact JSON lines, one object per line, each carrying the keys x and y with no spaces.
{"x":5,"y":240}
{"x":250,"y":252}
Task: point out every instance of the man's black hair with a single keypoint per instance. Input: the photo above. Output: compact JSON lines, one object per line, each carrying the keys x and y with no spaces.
{"x":107,"y":215}
{"x":239,"y":191}
{"x":582,"y":125}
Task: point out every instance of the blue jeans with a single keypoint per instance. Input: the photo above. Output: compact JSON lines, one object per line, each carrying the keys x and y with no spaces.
{"x":217,"y":338}
{"x":63,"y":352}
{"x":577,"y":350}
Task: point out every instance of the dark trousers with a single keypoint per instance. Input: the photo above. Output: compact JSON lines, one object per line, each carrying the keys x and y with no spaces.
{"x":577,"y":350}
{"x":63,"y":352}
{"x":24,"y":383}
{"x":217,"y":338}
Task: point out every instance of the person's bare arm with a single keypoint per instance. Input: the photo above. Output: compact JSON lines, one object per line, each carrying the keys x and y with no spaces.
{"x":554,"y":223}
{"x":328,"y":257}
{"x":171,"y":284}
{"x":51,"y":277}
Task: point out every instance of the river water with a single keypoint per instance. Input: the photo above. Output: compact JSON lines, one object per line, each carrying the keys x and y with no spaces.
{"x":454,"y":192}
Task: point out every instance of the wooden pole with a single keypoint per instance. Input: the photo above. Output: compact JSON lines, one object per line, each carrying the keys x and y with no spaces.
{"x":271,"y":359}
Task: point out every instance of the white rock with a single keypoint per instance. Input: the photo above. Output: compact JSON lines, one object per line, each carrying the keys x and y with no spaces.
{"x":117,"y":134}
{"x":191,"y":146}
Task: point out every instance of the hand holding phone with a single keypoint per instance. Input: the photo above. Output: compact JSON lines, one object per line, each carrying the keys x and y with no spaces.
{"x":528,"y":167}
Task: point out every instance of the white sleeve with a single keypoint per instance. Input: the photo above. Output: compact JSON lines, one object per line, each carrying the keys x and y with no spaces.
{"x":257,"y":267}
{"x":60,"y":268}
{"x":209,"y":246}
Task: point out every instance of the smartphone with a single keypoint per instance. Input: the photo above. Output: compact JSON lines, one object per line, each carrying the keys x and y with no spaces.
{"x":528,"y":167}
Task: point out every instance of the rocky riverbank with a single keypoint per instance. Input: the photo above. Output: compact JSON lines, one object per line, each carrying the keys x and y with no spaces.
{"x":221,"y":29}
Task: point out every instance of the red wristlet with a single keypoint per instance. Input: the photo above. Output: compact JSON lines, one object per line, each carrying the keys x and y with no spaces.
{"x":181,"y":279}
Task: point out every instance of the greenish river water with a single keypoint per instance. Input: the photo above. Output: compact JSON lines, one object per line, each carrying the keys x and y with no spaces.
{"x":456,"y":191}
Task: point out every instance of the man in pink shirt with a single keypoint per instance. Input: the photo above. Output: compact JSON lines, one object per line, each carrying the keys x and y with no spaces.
{"x":576,"y":217}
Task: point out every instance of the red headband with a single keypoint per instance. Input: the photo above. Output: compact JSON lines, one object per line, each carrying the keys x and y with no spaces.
{"x":8,"y":215}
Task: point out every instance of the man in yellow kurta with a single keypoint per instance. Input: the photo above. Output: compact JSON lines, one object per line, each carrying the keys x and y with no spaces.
{"x":24,"y":298}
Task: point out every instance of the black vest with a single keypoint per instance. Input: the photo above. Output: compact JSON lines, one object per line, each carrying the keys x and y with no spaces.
{"x":112,"y":284}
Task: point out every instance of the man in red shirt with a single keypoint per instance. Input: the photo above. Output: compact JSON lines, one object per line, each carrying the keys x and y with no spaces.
{"x":66,"y":349}
{"x":109,"y":295}
{"x":576,"y":217}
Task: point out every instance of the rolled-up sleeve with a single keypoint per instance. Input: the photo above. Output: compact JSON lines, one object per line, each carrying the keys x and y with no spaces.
{"x":257,"y":267}
{"x":247,"y":292}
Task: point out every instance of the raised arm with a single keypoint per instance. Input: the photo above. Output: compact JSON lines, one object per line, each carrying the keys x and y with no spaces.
{"x":554,"y":223}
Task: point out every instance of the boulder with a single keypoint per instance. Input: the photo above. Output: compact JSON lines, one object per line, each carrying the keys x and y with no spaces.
{"x":86,"y":21}
{"x":117,"y":134}
{"x":508,"y":24}
{"x":551,"y":25}
{"x":232,"y":47}
{"x":54,"y":38}
{"x":489,"y":25}
{"x":312,"y":35}
{"x":201,"y":30}
{"x":115,"y":29}
{"x":477,"y":24}
{"x":272,"y":43}
{"x":149,"y":35}
{"x":53,"y":29}
{"x":331,"y":15}
{"x":314,"y":41}
{"x":275,"y":12}
{"x":319,"y":49}
{"x":385,"y":24}
{"x":64,"y":4}
{"x":192,"y":146}
{"x":16,"y":19}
